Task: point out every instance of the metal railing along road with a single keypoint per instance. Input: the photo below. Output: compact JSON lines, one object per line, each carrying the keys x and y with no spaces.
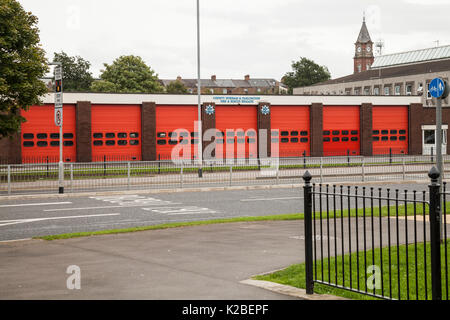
{"x":107,"y":175}
{"x":378,"y":242}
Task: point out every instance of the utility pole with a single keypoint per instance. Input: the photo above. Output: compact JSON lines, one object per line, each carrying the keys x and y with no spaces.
{"x":199,"y":89}
{"x":58,"y":73}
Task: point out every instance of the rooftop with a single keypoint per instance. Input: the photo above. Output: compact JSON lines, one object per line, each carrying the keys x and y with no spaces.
{"x":408,"y":57}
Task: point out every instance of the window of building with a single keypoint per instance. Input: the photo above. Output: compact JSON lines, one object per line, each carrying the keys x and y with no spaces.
{"x":376,"y":91}
{"x":28,"y":136}
{"x":359,"y":68}
{"x":110,"y":135}
{"x":245,"y":91}
{"x":42,"y":136}
{"x":397,"y":90}
{"x":224,"y":91}
{"x":356,"y":92}
{"x":366,"y":91}
{"x":409,"y":89}
{"x":386,"y":91}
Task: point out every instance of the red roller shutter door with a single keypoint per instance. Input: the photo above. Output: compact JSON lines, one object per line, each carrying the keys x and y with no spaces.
{"x":341,"y":130}
{"x":116,"y":132}
{"x":241,"y":124}
{"x":292,"y":123}
{"x":390,"y":129}
{"x":40,"y":135}
{"x":175,"y":126}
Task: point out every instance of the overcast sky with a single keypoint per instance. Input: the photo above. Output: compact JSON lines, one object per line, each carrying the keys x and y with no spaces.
{"x":238,"y":37}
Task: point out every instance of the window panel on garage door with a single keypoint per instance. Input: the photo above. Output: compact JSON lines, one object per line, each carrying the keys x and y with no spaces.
{"x":390,"y":129}
{"x":40,"y":135}
{"x":239,"y":126}
{"x":292,"y":123}
{"x":175,"y":128}
{"x":116,"y":132}
{"x":341,"y":130}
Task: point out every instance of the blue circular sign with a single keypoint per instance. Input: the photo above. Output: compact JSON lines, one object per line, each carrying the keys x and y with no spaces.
{"x":265,"y":110}
{"x":436,"y":87}
{"x":209,"y":110}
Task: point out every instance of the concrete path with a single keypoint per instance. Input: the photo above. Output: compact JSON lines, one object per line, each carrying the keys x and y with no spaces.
{"x":205,"y":262}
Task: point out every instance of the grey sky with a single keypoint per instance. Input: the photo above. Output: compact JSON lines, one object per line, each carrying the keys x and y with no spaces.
{"x":238,"y":37}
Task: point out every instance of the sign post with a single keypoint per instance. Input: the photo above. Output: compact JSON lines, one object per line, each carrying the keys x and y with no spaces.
{"x":59,"y":120}
{"x":439,"y":90}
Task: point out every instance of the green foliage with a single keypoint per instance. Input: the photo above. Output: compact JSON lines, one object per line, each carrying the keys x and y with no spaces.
{"x":176,"y":87}
{"x":76,"y":75}
{"x":103,"y":86}
{"x":128,"y":74}
{"x":305,"y":73}
{"x":22,"y":65}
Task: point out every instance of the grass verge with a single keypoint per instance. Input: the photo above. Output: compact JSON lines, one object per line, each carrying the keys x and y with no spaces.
{"x":403,"y":283}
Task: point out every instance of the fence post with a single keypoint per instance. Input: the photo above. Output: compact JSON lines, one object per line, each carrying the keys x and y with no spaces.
{"x":348,"y":157}
{"x":9,"y":179}
{"x":71,"y":177}
{"x":321,"y":165}
{"x":390,"y":155}
{"x":104,"y":165}
{"x":432,"y":158}
{"x":231,"y":174}
{"x":128,"y":174}
{"x":363,"y":170}
{"x":404,"y":169}
{"x":435,"y":237}
{"x":181,"y":174}
{"x":159,"y":163}
{"x":304,"y":159}
{"x":307,"y":192}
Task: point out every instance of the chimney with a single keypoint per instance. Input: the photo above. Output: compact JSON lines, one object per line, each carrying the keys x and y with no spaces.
{"x":178,"y":78}
{"x":213,"y":77}
{"x":247,"y":77}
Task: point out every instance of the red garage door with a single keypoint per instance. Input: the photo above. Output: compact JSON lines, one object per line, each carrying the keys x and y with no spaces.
{"x":116,"y":132}
{"x":290,"y":129}
{"x":40,"y":135}
{"x":390,"y":129}
{"x":341,"y":130}
{"x":237,"y":127}
{"x":175,"y":128}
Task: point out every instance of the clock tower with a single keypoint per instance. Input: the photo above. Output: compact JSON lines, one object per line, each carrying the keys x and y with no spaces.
{"x":363,"y":50}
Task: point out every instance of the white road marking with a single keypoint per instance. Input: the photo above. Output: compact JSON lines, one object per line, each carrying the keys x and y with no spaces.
{"x":19,"y":221}
{"x":105,"y":207}
{"x":180,"y":210}
{"x":270,"y":199}
{"x":33,"y":204}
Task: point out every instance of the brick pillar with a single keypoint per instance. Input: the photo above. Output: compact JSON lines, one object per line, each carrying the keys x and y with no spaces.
{"x":316,"y":125}
{"x":11,"y":149}
{"x":264,"y":122}
{"x":208,"y":122}
{"x":365,"y":127}
{"x":416,"y":119}
{"x":148,"y":131}
{"x":84,"y":134}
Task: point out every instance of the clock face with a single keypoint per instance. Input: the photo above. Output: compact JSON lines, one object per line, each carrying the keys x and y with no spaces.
{"x":359,"y":49}
{"x":368,"y":49}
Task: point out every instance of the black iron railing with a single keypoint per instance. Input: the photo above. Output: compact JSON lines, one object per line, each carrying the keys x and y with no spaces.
{"x":379,"y":242}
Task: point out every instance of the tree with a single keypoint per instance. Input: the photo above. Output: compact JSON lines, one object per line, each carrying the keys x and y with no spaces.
{"x":76,"y":75}
{"x":128,"y":74}
{"x":305,"y":73}
{"x":176,"y":87}
{"x":22,"y":65}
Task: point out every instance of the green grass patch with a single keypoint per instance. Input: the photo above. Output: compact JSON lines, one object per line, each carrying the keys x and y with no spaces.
{"x":281,"y":217}
{"x":403,"y":272}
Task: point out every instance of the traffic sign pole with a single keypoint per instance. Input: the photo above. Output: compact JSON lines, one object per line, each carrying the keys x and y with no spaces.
{"x":439,"y":90}
{"x":59,"y":120}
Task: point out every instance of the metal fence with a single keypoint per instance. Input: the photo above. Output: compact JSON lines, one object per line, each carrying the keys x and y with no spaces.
{"x":379,"y":242}
{"x":107,"y":175}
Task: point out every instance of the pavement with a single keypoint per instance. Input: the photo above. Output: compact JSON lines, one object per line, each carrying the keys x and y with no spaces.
{"x":203,"y":262}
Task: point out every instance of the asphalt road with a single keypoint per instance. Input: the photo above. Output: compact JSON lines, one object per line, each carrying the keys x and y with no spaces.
{"x":21,"y":219}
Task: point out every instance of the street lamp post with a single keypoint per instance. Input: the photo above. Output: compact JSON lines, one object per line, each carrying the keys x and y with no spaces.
{"x":199,"y":89}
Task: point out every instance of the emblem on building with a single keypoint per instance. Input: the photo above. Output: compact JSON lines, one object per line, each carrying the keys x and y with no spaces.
{"x":265,"y":110}
{"x":209,"y":109}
